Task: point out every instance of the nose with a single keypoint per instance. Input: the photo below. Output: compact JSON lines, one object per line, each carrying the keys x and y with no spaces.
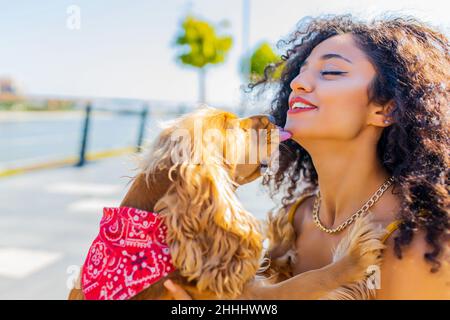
{"x":301,"y":83}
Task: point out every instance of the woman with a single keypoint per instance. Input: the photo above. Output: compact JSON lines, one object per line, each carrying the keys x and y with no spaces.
{"x":367,"y":106}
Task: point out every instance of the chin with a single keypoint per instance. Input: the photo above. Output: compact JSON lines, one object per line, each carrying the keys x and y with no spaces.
{"x":299,"y":132}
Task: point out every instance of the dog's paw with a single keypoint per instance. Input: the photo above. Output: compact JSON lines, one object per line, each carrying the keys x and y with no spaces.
{"x":361,"y":247}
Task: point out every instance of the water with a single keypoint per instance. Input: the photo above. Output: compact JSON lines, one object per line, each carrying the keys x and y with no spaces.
{"x":33,"y":141}
{"x":36,"y":138}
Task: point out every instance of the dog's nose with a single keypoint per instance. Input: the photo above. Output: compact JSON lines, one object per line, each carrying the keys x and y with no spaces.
{"x":271,"y":119}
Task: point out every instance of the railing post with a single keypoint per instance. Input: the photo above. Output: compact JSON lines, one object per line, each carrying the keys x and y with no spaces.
{"x":84,"y":137}
{"x":144,"y":114}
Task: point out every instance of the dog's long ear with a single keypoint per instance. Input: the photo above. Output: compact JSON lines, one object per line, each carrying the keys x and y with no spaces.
{"x":214,"y":242}
{"x":281,"y":250}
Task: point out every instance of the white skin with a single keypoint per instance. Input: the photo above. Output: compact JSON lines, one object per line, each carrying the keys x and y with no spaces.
{"x":341,"y":136}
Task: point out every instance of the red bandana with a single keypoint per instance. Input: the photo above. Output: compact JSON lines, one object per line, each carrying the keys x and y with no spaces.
{"x":128,"y":255}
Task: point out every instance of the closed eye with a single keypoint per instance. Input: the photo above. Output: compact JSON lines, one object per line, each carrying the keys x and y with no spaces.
{"x":332,"y":72}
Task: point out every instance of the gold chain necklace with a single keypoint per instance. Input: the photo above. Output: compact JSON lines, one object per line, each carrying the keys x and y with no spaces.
{"x":354,"y":216}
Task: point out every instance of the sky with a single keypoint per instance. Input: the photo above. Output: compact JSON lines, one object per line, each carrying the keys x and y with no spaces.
{"x":124,"y":48}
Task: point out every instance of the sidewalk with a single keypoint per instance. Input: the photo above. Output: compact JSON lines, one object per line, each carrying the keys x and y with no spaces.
{"x":49,"y":218}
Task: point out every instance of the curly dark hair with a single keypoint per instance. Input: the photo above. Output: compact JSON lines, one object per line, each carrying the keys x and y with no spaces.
{"x":412,"y":67}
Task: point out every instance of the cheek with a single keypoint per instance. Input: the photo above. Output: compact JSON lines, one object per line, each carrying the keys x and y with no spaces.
{"x":342,"y":113}
{"x":350,"y":93}
{"x":344,"y":105}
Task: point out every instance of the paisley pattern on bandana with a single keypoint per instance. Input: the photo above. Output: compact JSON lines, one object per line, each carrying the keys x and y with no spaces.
{"x":128,"y":255}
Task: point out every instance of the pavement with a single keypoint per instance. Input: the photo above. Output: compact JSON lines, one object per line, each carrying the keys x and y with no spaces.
{"x":49,"y":218}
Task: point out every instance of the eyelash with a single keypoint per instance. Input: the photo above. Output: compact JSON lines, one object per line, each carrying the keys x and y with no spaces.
{"x":331,"y":72}
{"x":335,"y":73}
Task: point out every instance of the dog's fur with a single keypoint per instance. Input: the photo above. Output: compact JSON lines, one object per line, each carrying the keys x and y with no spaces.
{"x":362,"y":242}
{"x":215,"y":244}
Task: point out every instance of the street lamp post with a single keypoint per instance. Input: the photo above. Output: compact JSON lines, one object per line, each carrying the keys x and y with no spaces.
{"x":245,"y":53}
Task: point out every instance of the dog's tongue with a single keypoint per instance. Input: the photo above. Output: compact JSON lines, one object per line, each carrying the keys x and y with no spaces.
{"x":284,"y":135}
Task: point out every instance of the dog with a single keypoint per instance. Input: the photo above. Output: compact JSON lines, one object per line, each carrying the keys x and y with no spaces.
{"x":206,"y":241}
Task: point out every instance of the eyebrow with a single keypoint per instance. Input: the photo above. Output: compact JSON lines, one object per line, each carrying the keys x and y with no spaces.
{"x":330,"y":56}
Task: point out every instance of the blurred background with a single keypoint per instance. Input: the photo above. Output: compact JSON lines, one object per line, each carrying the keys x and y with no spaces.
{"x":84,"y":84}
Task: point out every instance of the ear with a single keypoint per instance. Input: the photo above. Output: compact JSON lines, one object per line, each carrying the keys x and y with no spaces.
{"x":213,"y":241}
{"x":380,"y":115}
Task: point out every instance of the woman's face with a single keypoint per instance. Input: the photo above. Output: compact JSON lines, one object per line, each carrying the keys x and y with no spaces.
{"x":335,"y":79}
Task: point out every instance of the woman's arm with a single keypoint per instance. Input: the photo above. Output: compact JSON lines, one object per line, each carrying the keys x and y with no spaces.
{"x":309,"y":285}
{"x":305,"y":286}
{"x":177,"y":292}
{"x":313,"y":284}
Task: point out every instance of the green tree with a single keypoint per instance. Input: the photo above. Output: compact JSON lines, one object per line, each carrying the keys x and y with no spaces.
{"x":199,"y":45}
{"x":263,"y":56}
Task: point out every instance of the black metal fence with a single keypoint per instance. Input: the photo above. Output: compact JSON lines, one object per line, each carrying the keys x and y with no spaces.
{"x":143,"y":114}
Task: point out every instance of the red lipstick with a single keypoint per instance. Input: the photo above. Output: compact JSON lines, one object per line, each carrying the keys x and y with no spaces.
{"x":300,"y":99}
{"x":294,"y":100}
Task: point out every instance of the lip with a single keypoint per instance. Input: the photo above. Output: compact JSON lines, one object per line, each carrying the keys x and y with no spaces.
{"x":298,"y":110}
{"x":302,"y":100}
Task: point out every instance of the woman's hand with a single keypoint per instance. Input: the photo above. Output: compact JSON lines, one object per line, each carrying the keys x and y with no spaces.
{"x":177,"y":292}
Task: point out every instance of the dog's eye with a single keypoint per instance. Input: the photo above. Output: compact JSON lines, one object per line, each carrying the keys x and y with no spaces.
{"x":245,"y":123}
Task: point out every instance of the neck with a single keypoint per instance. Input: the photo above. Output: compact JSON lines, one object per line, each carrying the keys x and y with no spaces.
{"x":349,"y":173}
{"x":143,"y":196}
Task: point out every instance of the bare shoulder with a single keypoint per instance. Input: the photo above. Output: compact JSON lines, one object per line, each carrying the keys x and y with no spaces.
{"x":410,"y":277}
